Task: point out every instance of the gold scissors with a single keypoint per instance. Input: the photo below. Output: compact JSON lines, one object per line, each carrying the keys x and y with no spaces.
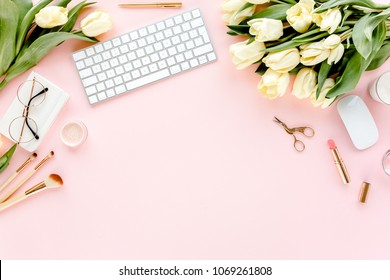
{"x":305,"y":130}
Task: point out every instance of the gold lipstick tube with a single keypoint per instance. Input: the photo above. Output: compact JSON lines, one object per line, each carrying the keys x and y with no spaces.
{"x":340,"y":166}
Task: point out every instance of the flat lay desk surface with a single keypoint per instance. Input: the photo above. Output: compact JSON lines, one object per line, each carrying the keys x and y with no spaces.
{"x":193,"y":167}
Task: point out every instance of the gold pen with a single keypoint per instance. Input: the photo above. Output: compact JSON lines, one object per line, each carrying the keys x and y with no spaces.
{"x":152,"y":5}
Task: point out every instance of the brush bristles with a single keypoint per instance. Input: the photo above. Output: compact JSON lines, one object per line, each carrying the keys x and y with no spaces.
{"x":54,"y":181}
{"x":51,"y":154}
{"x":34,"y":155}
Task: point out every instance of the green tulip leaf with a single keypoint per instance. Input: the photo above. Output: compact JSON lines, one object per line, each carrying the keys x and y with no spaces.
{"x":381,"y":56}
{"x":322,"y":76}
{"x":277,"y":11}
{"x":357,"y":64}
{"x":25,"y":25}
{"x":337,"y":3}
{"x":240,"y":29}
{"x":9,"y":17}
{"x":6,"y":158}
{"x":37,"y":50}
{"x":23,"y":6}
{"x":63,"y":3}
{"x":360,"y":40}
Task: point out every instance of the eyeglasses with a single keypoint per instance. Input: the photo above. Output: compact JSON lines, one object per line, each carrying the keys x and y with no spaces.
{"x":30,"y":94}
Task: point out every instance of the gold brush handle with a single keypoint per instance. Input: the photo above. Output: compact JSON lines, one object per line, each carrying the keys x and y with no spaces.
{"x":17,"y":186}
{"x":12,"y":201}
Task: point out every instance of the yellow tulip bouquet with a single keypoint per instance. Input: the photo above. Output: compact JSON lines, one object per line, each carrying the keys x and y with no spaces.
{"x":327,"y":44}
{"x":28,"y":32}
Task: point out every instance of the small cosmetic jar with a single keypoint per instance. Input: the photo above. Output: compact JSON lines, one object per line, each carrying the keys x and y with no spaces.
{"x":73,"y":133}
{"x":380,"y":88}
{"x":386,"y":163}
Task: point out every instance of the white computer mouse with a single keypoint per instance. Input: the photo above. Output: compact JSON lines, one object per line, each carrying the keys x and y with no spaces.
{"x":358,"y":121}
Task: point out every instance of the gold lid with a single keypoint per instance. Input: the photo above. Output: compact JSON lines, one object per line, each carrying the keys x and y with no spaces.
{"x":364,"y":191}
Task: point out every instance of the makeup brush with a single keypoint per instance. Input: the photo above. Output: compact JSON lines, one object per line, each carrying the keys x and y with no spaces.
{"x":28,"y":176}
{"x":342,"y":169}
{"x":13,"y":175}
{"x":53,"y":181}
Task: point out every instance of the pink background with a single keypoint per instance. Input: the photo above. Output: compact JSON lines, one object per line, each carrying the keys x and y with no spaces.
{"x":193,"y":167}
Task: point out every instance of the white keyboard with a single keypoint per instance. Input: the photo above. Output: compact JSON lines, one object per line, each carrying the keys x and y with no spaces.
{"x":143,"y":56}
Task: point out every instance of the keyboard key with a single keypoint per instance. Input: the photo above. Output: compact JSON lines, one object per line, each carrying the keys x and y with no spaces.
{"x":105,"y":65}
{"x":163,"y":54}
{"x":188,"y":55}
{"x":90,"y":51}
{"x":128,"y":67}
{"x":119,"y":70}
{"x":203,"y":49}
{"x":122,"y":59}
{"x":88,"y":62}
{"x":107,"y":45}
{"x":172,"y":51}
{"x":90,"y":90}
{"x":140,"y":53}
{"x":154,"y":57}
{"x":198,"y":41}
{"x":79,"y":55}
{"x":162,"y":64}
{"x":160,"y":26}
{"x":168,"y":33}
{"x":97,"y":58}
{"x":124,"y":49}
{"x":171,"y":61}
{"x":125,"y":38}
{"x":110,"y":92}
{"x":118,"y":80}
{"x":169,"y":22}
{"x":85,"y":73}
{"x":153,"y":67}
{"x":185,"y":65}
{"x":211,"y":56}
{"x":116,"y":42}
{"x":102,"y":96}
{"x":135,"y":74}
{"x":110,"y":73}
{"x":145,"y":60}
{"x":202,"y":59}
{"x":115,"y":52}
{"x":90,"y":81}
{"x":137,"y":63}
{"x":152,"y":29}
{"x":134,"y":35}
{"x":143,"y":32}
{"x":93,"y":99}
{"x":100,"y":87}
{"x":96,"y":69}
{"x":102,"y":76}
{"x":186,"y":26}
{"x":193,"y":34}
{"x":144,"y":71}
{"x":148,"y":79}
{"x":133,"y":46}
{"x":196,"y":23}
{"x":159,"y":36}
{"x":131,"y":56}
{"x":184,"y":37}
{"x":120,"y":89}
{"x":194,"y":62}
{"x":175,"y":69}
{"x":106,"y":55}
{"x":196,"y":13}
{"x":187,"y":16}
{"x":141,"y":42}
{"x":158,"y":46}
{"x":99,"y":48}
{"x":109,"y":83}
{"x":80,"y":65}
{"x":126,"y":77}
{"x":178,"y":19}
{"x":114,"y":62}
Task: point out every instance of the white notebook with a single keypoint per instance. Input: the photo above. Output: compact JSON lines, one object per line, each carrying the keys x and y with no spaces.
{"x":44,"y":116}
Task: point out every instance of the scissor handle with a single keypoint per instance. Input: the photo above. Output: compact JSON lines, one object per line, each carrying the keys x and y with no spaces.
{"x":305,"y":130}
{"x":298,"y":145}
